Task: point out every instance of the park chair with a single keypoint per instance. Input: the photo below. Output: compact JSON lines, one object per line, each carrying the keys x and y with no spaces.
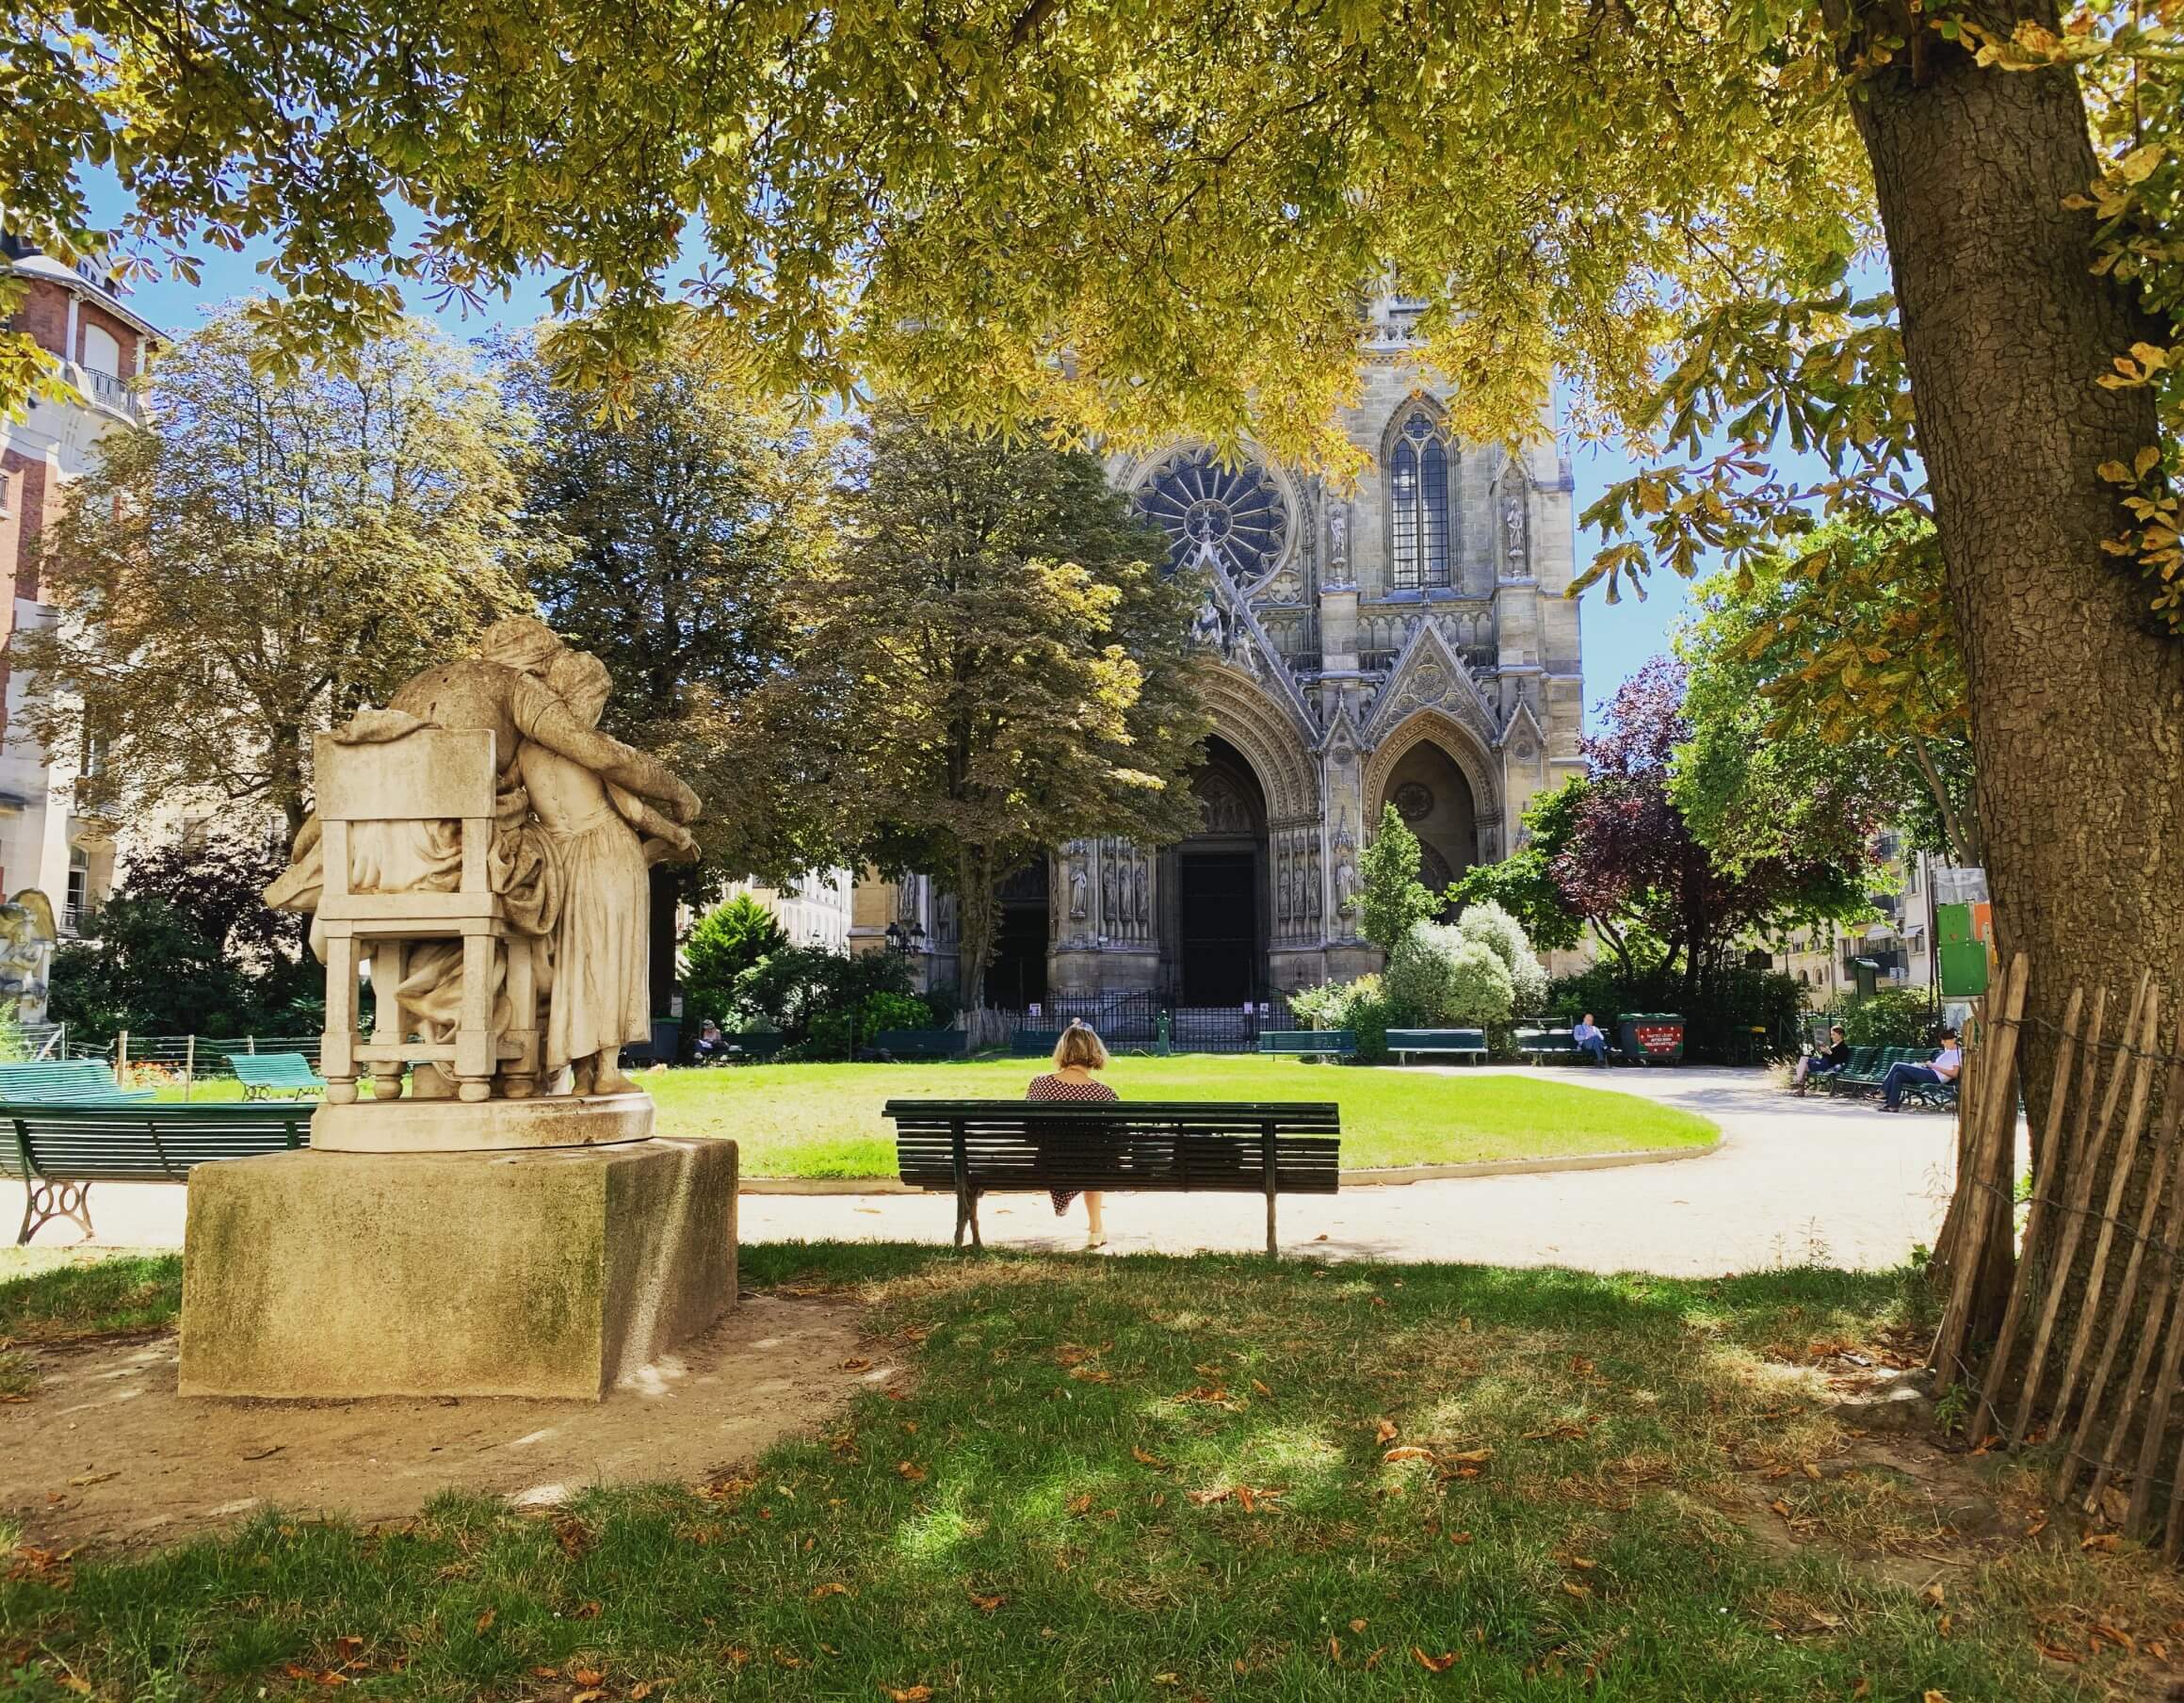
{"x":974,"y":1147}
{"x":59,"y":1150}
{"x":1309,"y":1042}
{"x":65,"y":1082}
{"x":1468,"y":1044}
{"x":425,"y":775}
{"x":266,"y":1074}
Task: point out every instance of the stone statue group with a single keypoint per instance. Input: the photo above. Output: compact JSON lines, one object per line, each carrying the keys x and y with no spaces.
{"x":578,"y":819}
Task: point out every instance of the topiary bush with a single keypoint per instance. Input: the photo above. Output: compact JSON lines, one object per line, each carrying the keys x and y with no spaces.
{"x":1494,"y":927}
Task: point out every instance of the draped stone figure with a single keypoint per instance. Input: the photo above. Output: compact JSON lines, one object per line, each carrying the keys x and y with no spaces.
{"x":503,"y":690}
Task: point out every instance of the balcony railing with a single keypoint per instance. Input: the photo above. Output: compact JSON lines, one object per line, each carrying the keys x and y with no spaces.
{"x":109,"y":392}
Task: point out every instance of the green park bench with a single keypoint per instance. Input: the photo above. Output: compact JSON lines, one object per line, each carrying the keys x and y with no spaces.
{"x":973,"y":1147}
{"x":65,"y":1082}
{"x":917,"y":1043}
{"x":1033,"y":1043}
{"x":1455,"y":1042}
{"x":59,"y":1151}
{"x":1864,"y":1077}
{"x":1546,"y":1046}
{"x":264,"y":1073}
{"x":1310,"y":1043}
{"x":1859,"y":1063}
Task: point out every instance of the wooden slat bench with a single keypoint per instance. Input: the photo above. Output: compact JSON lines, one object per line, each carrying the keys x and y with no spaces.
{"x":59,"y":1151}
{"x":1033,"y":1043}
{"x":1546,"y":1046}
{"x":1459,"y":1043}
{"x":974,"y":1147}
{"x":262,"y":1073}
{"x":1310,"y":1043}
{"x":65,"y":1082}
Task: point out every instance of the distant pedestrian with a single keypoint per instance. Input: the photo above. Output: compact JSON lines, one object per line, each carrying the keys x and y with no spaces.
{"x":1076,"y":1055}
{"x":1589,"y":1040}
{"x":1942,"y":1067}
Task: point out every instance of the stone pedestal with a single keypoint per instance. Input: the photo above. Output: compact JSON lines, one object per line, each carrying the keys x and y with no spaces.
{"x":539,"y":1271}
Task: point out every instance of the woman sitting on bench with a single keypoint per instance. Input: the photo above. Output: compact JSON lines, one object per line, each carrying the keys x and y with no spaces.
{"x":1076,"y":1055}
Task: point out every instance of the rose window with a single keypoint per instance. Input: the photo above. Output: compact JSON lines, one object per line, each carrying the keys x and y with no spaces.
{"x":1232,"y":515}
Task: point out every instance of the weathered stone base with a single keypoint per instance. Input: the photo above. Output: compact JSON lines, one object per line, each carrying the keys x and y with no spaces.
{"x":549,"y":1271}
{"x":450,"y":1126}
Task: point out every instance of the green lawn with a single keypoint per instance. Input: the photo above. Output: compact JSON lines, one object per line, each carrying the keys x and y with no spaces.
{"x":1206,"y":1477}
{"x":823,"y":1120}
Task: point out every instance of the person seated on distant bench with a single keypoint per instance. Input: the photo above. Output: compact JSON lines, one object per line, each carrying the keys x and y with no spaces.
{"x":1826,"y":1063}
{"x":1589,"y":1040}
{"x":1943,"y":1068}
{"x":711,"y":1043}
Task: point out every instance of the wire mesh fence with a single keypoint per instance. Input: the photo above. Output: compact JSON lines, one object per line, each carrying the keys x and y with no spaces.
{"x":2064,"y":1320}
{"x":184,"y":1060}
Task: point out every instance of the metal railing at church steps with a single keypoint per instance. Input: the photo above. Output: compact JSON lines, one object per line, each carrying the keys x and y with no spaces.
{"x":1127,"y":1022}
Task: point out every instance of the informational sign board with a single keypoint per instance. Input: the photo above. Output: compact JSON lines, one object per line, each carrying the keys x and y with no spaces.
{"x":1964,"y":934}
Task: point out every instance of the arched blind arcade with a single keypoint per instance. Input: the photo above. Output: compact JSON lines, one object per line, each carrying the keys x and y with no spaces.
{"x":1418,"y":507}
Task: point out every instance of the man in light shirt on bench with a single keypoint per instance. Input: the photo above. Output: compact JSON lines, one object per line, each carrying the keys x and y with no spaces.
{"x":1943,"y":1068}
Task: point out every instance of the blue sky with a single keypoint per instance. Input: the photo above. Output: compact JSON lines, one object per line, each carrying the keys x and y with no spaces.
{"x":1617,"y":641}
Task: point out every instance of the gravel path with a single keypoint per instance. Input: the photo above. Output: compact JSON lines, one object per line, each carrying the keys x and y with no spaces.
{"x":1793,"y":1181}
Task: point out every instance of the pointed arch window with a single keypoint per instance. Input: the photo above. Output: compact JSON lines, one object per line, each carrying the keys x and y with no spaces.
{"x":1418,"y":525}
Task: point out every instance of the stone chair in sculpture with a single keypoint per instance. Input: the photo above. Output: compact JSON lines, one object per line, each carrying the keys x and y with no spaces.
{"x":373,"y":796}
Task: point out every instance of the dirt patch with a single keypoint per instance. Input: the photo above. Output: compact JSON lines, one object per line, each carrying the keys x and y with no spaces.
{"x":106,"y":1453}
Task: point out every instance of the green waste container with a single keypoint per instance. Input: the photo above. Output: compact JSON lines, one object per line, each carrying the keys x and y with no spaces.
{"x":1652,"y":1037}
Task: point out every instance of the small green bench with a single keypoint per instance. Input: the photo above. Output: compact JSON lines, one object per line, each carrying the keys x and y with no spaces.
{"x":59,"y":1151}
{"x":65,"y":1082}
{"x":973,"y":1147}
{"x":1033,"y":1043}
{"x":1310,"y":1043}
{"x":917,"y":1043}
{"x":1455,"y":1042}
{"x":264,"y":1073}
{"x":1863,"y":1076}
{"x":1546,"y":1046}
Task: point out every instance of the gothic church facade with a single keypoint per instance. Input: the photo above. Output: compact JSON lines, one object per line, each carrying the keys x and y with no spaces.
{"x":1406,"y":642}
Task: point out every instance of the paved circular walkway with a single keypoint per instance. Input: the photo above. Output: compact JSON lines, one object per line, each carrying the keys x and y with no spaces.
{"x":1793,"y":1182}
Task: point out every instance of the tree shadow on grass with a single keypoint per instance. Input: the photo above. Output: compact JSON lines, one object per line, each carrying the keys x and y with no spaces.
{"x":1144,"y":1476}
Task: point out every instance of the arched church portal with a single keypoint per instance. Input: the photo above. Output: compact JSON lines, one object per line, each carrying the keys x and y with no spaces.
{"x":1017,"y":976}
{"x":1434,"y":800}
{"x":1214,"y":888}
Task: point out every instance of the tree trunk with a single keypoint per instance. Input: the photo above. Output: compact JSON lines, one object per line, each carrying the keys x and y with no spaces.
{"x":976,"y":926}
{"x":2077,"y":699}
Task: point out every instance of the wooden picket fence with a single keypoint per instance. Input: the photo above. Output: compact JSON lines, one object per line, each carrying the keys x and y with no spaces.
{"x":2091,"y":1285}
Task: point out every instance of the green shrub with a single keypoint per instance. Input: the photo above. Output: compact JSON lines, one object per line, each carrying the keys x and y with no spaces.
{"x":1899,"y":1018}
{"x":1719,"y":1023}
{"x":884,"y":1010}
{"x":1363,"y":1007}
{"x":724,"y":943}
{"x":1448,"y":977}
{"x":1494,"y":927}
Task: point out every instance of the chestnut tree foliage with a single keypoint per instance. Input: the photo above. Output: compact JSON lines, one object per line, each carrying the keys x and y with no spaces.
{"x":1017,"y":666}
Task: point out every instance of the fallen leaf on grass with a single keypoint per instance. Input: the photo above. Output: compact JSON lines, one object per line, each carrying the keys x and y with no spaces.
{"x":1469,"y":1455}
{"x":1372,"y":1661}
{"x":1144,"y":1459}
{"x":588,"y":1676}
{"x":643,"y":1689}
{"x":1358,"y":1625}
{"x":1935,"y":1697}
{"x":911,"y":1694}
{"x":1863,"y":1689}
{"x":1436,"y":1664}
{"x":910,"y":1470}
{"x":587,"y":1611}
{"x":986,"y":1605}
{"x":1386,"y":1432}
{"x":859,"y":1364}
{"x":1262,"y":1388}
{"x":1334,"y":1650}
{"x":1584,"y":1564}
{"x":484,"y":1622}
{"x":1091,"y":1374}
{"x":594,"y":1695}
{"x":1206,"y":1498}
{"x":1576,"y":1589}
{"x":833,"y":1587}
{"x":1408,"y":1452}
{"x":1080,"y":1505}
{"x":1458,"y":1537}
{"x":2104,"y":1542}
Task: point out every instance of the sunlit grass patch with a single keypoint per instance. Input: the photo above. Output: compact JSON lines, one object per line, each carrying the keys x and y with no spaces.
{"x":1153,"y":1476}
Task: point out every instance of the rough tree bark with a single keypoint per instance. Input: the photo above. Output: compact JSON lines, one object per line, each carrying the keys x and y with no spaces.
{"x":2077,"y":699}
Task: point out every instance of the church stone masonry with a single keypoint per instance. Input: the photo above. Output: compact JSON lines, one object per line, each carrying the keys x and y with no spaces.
{"x":1407,"y":642}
